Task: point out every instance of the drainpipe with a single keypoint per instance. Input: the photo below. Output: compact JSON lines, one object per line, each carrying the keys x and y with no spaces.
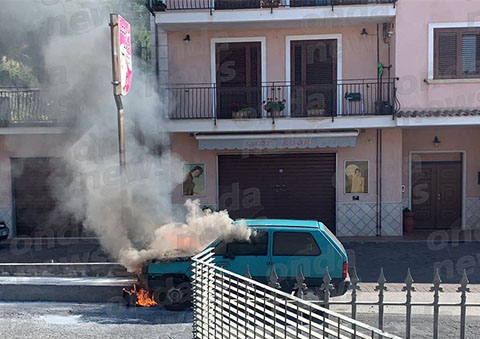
{"x":155,"y":52}
{"x":379,"y":87}
{"x":157,"y":66}
{"x":378,"y":157}
{"x":379,"y":183}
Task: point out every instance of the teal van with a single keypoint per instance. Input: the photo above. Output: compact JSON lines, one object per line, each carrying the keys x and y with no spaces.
{"x":287,"y":245}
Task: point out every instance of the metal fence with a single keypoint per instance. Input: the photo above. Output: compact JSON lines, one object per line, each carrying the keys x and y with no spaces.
{"x":246,"y":4}
{"x":408,"y":304}
{"x":228,"y":305}
{"x":224,"y":301}
{"x":25,"y":106}
{"x":356,"y":97}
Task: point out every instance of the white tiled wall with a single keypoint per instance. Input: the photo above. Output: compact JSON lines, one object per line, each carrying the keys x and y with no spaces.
{"x":359,"y":219}
{"x":472,"y":213}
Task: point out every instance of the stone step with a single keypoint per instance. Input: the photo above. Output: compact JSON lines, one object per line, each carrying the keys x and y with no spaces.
{"x":90,"y":269}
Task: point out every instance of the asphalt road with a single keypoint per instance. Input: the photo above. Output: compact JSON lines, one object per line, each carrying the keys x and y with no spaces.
{"x":66,"y":320}
{"x":422,"y":257}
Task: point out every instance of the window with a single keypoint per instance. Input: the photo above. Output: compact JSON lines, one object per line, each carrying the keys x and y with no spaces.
{"x":238,"y":77}
{"x":258,"y":245}
{"x":313,"y":73}
{"x":457,"y":53}
{"x":295,"y":243}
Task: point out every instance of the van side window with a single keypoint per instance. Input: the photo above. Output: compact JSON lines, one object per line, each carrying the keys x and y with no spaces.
{"x":258,"y":245}
{"x":221,"y":248}
{"x":295,"y":243}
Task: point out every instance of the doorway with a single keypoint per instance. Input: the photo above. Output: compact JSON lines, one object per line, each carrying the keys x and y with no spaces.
{"x":437,"y":193}
{"x":314,"y":77}
{"x":238,"y":80}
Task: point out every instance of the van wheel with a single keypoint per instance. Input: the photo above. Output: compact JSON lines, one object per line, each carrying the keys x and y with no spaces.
{"x":175,"y":294}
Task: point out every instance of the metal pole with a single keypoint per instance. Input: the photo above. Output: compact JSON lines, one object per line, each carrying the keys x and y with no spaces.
{"x":381,"y":288}
{"x":463,"y":308}
{"x":436,"y":300}
{"x":117,"y":93}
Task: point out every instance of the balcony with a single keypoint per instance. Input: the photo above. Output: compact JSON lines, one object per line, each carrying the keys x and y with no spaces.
{"x":176,"y":5}
{"x":345,"y":98}
{"x":21,"y":107}
{"x":186,"y":15}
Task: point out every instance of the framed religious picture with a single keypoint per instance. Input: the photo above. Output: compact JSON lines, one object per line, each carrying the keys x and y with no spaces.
{"x":356,"y":176}
{"x":194,"y":180}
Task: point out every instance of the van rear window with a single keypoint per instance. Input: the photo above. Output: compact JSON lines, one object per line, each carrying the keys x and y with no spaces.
{"x":295,"y":244}
{"x":334,"y":238}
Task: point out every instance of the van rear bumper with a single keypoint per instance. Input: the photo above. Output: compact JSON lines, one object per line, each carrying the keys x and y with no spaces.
{"x":341,"y":287}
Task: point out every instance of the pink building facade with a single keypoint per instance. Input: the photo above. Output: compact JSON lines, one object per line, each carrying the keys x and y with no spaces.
{"x":379,"y":110}
{"x":344,"y":111}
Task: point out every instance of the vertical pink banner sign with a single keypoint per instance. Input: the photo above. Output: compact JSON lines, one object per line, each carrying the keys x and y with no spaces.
{"x":125,"y":54}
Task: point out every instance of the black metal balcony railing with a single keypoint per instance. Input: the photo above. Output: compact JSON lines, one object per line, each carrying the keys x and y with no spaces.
{"x":21,"y":107}
{"x":343,"y":98}
{"x":245,"y":4}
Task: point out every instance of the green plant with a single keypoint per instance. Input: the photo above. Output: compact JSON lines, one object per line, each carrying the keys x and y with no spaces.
{"x":158,"y":5}
{"x":406,"y":210}
{"x":274,"y":105}
{"x":237,"y":107}
{"x":273,"y":2}
{"x":16,"y":73}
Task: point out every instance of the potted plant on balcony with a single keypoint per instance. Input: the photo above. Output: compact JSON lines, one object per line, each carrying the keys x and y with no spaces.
{"x":270,"y":3}
{"x":158,"y":6}
{"x":316,"y":108}
{"x":273,"y":106}
{"x":408,"y":220}
{"x":242,"y":111}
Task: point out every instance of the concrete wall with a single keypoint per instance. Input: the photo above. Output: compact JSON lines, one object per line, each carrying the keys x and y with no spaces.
{"x":360,"y":217}
{"x":412,"y":22}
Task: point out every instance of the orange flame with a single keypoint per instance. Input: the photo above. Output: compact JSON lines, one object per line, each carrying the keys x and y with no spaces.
{"x":145,"y":297}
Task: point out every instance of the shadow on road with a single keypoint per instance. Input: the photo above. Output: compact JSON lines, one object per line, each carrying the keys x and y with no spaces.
{"x":119,"y":314}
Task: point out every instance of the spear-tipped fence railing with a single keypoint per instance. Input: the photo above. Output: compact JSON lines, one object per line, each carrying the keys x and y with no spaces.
{"x":228,"y":305}
{"x":409,"y":289}
{"x":237,"y":305}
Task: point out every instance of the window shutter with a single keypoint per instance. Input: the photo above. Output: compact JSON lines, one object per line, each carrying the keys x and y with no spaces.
{"x":314,"y":68}
{"x":238,"y":76}
{"x":297,"y":69}
{"x":469,"y":54}
{"x":320,"y":63}
{"x":477,"y":61}
{"x":254,"y":65}
{"x":446,"y":55}
{"x":232,"y":65}
{"x":298,"y":79}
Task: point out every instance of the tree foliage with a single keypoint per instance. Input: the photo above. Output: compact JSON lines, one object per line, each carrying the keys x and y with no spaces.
{"x":15,"y":73}
{"x":22,"y":60}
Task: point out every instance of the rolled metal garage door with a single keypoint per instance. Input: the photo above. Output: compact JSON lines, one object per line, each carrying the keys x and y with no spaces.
{"x":37,"y":211}
{"x":290,"y":186}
